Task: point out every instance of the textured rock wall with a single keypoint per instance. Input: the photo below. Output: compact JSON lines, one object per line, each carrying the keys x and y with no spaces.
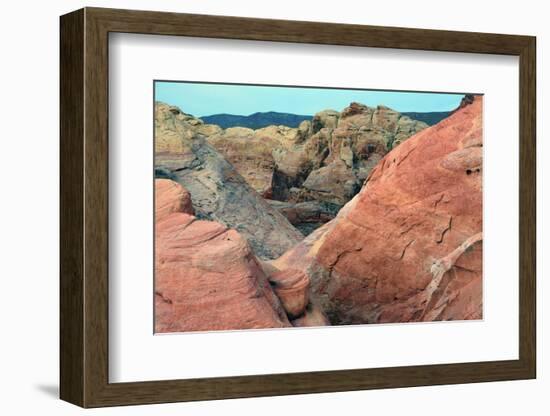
{"x":408,"y":247}
{"x":217,"y":190}
{"x":324,"y":160}
{"x":207,"y":278}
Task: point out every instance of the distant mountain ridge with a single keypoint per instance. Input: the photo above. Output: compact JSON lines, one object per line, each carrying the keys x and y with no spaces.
{"x":429,"y":118}
{"x":256,"y":120}
{"x":264,"y":119}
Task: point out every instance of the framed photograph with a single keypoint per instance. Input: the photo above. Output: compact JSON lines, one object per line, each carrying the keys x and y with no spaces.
{"x":255,"y":207}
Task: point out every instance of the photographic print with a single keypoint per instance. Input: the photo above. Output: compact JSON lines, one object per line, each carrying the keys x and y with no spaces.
{"x":293,"y":206}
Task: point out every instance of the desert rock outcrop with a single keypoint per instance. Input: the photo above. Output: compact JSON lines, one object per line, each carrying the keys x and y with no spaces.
{"x":408,"y":247}
{"x":217,"y":190}
{"x":206,"y":276}
{"x":325,"y":159}
{"x":171,"y":197}
{"x":338,"y":153}
{"x":292,"y":287}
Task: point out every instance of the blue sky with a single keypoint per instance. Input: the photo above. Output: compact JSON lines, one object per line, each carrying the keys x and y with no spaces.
{"x":201,"y":99}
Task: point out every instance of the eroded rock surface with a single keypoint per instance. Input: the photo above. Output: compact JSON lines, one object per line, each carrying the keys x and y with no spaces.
{"x":325,"y":160}
{"x":218,"y":191}
{"x":292,"y":287}
{"x":206,"y":276}
{"x":171,"y":197}
{"x":408,"y":247}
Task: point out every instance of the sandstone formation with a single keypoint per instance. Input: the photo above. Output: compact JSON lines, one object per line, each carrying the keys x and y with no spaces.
{"x":249,"y":154}
{"x":217,"y":190}
{"x":324,"y":160}
{"x":206,"y":277}
{"x":171,"y":197}
{"x":357,"y":140}
{"x":251,"y":151}
{"x":292,"y":287}
{"x":408,"y":247}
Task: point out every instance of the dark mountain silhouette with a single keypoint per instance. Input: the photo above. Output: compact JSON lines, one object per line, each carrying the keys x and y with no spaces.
{"x":260,"y":120}
{"x":431,"y":118}
{"x":256,"y":120}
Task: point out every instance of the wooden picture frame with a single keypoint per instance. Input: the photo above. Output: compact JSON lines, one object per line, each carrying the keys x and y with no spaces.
{"x":84,"y":207}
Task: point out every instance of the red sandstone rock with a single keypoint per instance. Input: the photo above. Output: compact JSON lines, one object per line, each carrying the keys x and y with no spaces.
{"x":206,"y":277}
{"x":292,"y":288}
{"x":171,"y":197}
{"x":380,"y":259}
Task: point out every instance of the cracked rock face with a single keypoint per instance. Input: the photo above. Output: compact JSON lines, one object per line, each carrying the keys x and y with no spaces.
{"x":217,"y":190}
{"x":323,"y":160}
{"x":206,"y":276}
{"x":338,"y":154}
{"x":408,"y":247}
{"x":320,"y":156}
